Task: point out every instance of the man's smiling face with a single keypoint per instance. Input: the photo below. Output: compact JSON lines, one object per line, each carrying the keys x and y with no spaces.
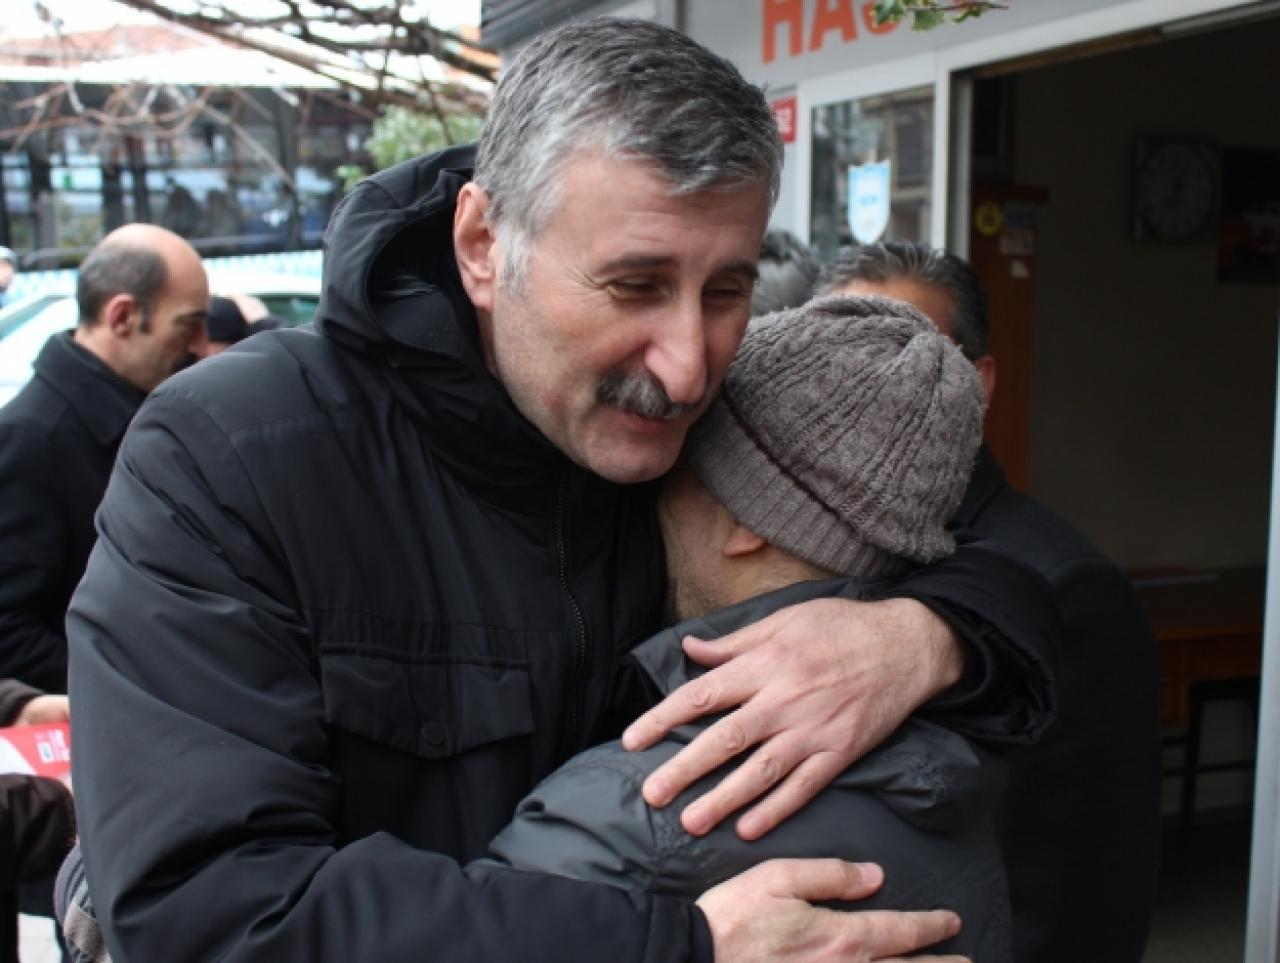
{"x":629,"y":310}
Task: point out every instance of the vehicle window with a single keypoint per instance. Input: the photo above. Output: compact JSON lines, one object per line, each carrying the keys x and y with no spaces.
{"x":20,"y":314}
{"x":294,"y":308}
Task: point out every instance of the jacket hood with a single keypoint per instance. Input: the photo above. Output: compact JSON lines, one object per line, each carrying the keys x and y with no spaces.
{"x":391,"y":290}
{"x":390,"y":281}
{"x":929,"y":775}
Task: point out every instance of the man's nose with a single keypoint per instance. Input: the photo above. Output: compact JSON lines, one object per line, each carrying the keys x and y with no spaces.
{"x":677,"y":354}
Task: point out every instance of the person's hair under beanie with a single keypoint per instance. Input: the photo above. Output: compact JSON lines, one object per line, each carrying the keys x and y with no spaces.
{"x":844,"y":434}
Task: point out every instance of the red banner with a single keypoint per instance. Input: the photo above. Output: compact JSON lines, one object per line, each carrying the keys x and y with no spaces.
{"x":36,"y":750}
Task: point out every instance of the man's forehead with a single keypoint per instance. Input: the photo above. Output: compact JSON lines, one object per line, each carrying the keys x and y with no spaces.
{"x":930,"y":300}
{"x":620,"y":212}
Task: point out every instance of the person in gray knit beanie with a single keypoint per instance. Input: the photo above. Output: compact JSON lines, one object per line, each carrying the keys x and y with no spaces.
{"x":844,"y":434}
{"x":840,"y":445}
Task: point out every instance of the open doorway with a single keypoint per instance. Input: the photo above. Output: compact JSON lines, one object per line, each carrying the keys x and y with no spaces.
{"x":1124,"y":214}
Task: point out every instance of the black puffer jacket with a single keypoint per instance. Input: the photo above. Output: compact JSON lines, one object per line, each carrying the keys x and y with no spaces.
{"x":922,"y":805}
{"x":1082,"y":863}
{"x":347,"y":607}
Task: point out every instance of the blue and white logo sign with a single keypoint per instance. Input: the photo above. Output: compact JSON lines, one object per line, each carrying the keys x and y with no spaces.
{"x":869,"y":196}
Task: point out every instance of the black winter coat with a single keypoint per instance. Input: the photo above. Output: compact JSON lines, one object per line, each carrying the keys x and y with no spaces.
{"x":58,"y":440}
{"x":1081,"y":826}
{"x":922,"y":806}
{"x":347,"y":607}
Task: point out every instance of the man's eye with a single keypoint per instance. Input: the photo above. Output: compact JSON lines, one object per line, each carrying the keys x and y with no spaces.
{"x":732,"y":294}
{"x":633,"y":289}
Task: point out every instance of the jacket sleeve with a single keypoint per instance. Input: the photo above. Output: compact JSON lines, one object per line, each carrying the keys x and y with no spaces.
{"x":211,"y":824}
{"x":1107,"y":729}
{"x":32,"y":560}
{"x":37,"y":827}
{"x":13,"y":696}
{"x":589,"y":821}
{"x":1006,"y":614}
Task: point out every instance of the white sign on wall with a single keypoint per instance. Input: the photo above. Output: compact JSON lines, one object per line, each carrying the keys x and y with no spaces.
{"x":870,"y":197}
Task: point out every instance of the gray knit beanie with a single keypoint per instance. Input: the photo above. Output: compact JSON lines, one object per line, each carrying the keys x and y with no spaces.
{"x":844,"y":434}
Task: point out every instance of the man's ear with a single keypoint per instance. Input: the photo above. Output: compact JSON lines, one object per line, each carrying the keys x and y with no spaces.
{"x":986,"y":366}
{"x":742,"y":541}
{"x":120,"y":315}
{"x":475,"y":246}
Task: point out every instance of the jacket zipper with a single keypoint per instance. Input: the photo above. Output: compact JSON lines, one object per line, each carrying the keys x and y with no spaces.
{"x":581,"y":641}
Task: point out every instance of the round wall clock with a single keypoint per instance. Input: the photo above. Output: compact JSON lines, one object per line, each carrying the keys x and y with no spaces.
{"x":1175,"y":190}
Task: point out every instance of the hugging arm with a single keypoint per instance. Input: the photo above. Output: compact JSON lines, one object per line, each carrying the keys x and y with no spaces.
{"x":212,"y":823}
{"x":814,"y":686}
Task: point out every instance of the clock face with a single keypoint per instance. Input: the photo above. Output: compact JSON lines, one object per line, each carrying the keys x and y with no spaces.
{"x":1176,"y":190}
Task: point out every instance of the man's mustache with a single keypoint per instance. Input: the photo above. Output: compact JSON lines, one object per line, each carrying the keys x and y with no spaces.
{"x":642,"y":394}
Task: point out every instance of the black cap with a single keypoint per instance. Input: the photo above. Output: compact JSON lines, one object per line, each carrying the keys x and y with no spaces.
{"x":226,"y":324}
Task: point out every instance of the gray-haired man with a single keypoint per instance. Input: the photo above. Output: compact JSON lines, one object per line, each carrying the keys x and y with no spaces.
{"x":359,"y":587}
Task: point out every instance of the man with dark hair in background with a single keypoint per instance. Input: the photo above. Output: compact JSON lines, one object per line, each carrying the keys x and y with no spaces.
{"x":1080,"y":826}
{"x":143,"y":296}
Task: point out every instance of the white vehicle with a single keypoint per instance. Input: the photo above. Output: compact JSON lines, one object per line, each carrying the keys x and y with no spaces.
{"x":27,"y":324}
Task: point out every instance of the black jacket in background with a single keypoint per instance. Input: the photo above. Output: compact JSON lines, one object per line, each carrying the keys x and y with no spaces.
{"x":922,"y":805}
{"x":347,"y":607}
{"x":37,"y":826}
{"x":58,"y":440}
{"x":1081,"y":823}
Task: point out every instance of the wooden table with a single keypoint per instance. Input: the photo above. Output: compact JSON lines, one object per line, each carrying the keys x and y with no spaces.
{"x":1209,"y":627}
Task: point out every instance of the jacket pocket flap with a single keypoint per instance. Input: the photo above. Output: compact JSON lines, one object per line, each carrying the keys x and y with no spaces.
{"x":434,"y":708}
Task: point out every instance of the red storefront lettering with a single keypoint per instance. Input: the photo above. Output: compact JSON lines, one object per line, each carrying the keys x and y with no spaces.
{"x":778,"y":13}
{"x":829,"y":17}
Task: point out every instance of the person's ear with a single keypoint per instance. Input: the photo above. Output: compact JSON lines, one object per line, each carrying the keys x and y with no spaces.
{"x":475,"y":247}
{"x":121,"y":314}
{"x":986,"y":366}
{"x":742,"y":541}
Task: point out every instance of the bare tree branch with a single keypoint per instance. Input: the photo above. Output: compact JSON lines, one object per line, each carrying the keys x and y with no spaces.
{"x":405,"y":36}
